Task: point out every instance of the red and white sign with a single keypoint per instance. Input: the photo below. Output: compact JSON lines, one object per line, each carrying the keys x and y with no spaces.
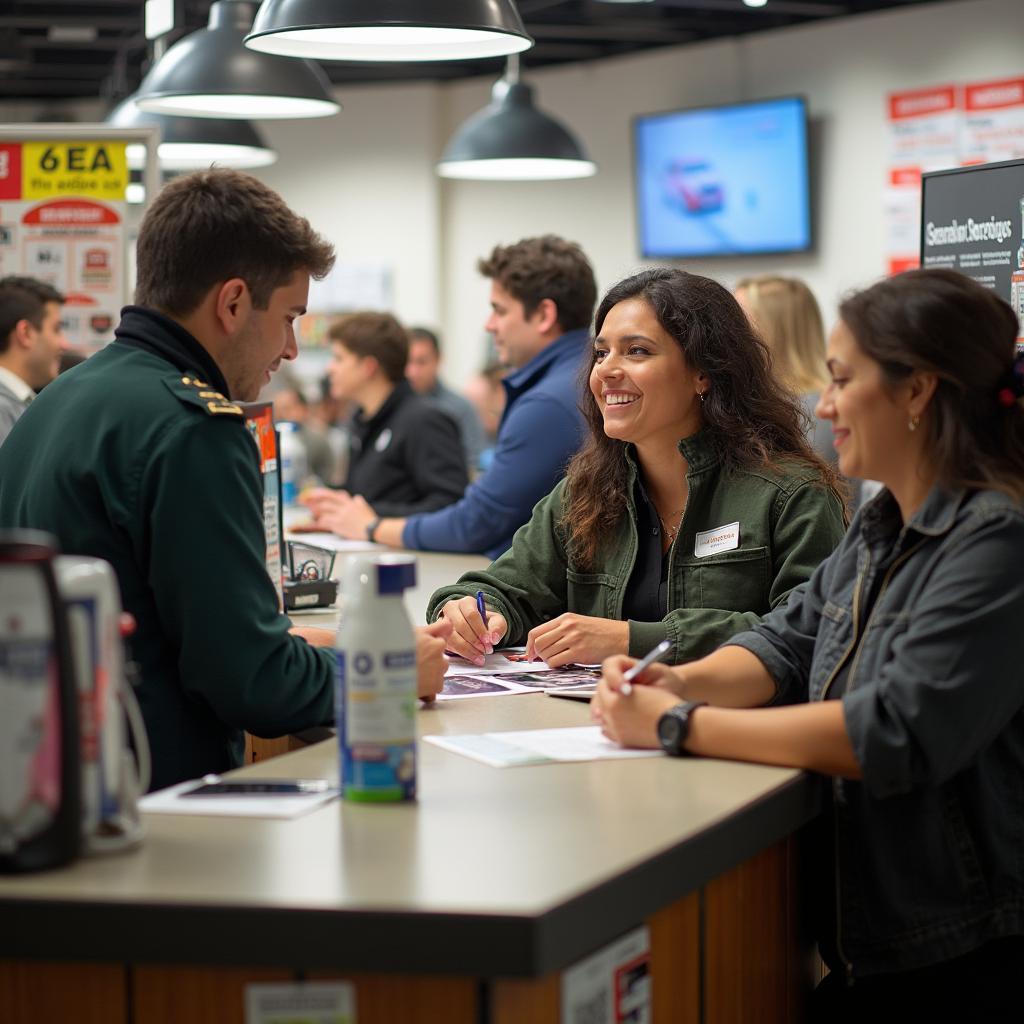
{"x":73,"y":241}
{"x":993,"y":121}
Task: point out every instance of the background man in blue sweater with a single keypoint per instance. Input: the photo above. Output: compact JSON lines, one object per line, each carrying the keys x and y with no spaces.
{"x":542,"y":299}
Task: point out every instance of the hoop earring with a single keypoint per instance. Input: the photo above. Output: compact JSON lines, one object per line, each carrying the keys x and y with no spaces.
{"x":912,"y":424}
{"x":700,"y":395}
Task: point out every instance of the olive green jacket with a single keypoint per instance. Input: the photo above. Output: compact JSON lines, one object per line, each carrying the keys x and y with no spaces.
{"x":789,"y":523}
{"x":134,"y":460}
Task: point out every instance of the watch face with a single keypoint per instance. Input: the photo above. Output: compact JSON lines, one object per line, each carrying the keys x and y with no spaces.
{"x":670,"y":732}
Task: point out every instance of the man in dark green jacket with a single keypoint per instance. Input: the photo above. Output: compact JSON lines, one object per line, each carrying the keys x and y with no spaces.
{"x":141,"y":457}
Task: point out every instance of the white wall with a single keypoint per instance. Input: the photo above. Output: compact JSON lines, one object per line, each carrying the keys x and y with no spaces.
{"x":844,"y":67}
{"x":366,"y":179}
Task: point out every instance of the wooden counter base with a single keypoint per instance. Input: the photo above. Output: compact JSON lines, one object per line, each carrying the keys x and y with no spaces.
{"x":729,"y":953}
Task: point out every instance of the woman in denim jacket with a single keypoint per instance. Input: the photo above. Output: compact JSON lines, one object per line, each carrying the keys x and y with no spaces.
{"x":902,"y":654}
{"x":693,"y":508}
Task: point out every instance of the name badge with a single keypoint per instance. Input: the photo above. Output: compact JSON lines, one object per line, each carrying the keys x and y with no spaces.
{"x":383,"y":439}
{"x":710,"y":542}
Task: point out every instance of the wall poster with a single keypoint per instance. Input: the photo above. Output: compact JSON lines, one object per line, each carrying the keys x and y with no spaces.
{"x":939,"y":128}
{"x":62,"y":220}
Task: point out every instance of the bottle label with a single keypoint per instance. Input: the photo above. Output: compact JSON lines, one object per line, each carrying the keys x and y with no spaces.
{"x":30,"y":724}
{"x":375,"y":707}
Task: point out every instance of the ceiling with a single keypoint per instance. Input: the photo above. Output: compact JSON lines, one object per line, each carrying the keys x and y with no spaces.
{"x":56,"y":50}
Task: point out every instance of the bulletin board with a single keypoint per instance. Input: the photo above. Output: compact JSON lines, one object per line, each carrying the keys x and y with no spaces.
{"x":63,"y":216}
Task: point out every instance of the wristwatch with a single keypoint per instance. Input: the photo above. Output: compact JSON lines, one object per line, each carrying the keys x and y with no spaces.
{"x":371,"y":528}
{"x":674,"y":726}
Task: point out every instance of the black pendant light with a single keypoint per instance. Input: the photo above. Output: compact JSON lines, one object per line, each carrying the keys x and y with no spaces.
{"x":190,"y":143}
{"x":389,"y":30}
{"x":511,"y":140}
{"x":211,"y":73}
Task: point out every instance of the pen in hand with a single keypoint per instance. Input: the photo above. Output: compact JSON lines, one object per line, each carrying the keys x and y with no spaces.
{"x":649,"y":659}
{"x":481,"y":607}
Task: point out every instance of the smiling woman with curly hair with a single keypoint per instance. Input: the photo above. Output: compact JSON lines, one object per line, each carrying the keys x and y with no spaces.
{"x":693,"y":508}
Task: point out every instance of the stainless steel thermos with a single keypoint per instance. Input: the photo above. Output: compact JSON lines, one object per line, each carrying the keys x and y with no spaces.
{"x":40,"y":783}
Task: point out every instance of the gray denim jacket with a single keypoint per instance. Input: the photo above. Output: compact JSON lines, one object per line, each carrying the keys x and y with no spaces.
{"x":918,"y":627}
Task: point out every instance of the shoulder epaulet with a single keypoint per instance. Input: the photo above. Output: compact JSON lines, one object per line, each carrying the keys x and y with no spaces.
{"x":193,"y":391}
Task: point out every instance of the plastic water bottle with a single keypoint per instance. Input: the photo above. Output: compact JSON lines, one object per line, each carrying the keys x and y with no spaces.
{"x":292,"y":456}
{"x":376,"y":695}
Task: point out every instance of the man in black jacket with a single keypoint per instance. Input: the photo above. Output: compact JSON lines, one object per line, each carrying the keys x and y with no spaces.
{"x":406,"y":453}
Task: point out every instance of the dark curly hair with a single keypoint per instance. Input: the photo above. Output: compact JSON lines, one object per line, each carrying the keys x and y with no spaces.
{"x":749,"y":418}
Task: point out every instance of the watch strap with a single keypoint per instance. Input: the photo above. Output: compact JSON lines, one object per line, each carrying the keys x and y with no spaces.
{"x":371,"y":529}
{"x":673,"y":738}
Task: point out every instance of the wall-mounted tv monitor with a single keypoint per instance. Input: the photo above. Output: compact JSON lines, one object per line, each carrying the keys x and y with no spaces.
{"x":723,"y":181}
{"x":972,"y":220}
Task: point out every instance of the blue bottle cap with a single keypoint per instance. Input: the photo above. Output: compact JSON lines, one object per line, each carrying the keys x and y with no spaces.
{"x":395,"y":573}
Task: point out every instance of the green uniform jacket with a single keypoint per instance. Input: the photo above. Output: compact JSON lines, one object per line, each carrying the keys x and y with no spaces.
{"x":789,"y":523}
{"x":135,"y":461}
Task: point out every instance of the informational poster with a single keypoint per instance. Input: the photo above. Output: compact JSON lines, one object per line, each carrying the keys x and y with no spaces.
{"x":939,"y":128}
{"x":348,"y":288}
{"x":259,"y":418}
{"x":973,"y":222}
{"x":611,"y":986}
{"x":62,"y":220}
{"x":312,"y":1002}
{"x":923,"y":136}
{"x":993,"y":121}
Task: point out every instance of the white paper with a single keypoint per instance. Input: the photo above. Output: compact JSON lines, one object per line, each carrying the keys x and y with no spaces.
{"x":509,"y":659}
{"x":537,"y":746}
{"x":331,"y":541}
{"x":310,"y":1002}
{"x":170,"y":801}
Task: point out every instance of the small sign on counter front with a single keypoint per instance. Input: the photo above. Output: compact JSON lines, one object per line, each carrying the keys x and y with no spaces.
{"x":315,"y":1002}
{"x":611,"y":986}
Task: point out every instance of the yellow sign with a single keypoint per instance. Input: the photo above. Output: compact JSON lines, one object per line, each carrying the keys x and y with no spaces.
{"x":71,"y":167}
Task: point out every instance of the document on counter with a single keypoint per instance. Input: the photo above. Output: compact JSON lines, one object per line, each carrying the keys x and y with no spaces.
{"x":537,"y":746}
{"x":174,"y":800}
{"x":507,"y":672}
{"x":330,"y":541}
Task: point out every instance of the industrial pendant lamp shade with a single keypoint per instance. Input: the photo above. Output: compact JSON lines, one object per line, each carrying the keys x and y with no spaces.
{"x":511,"y":140}
{"x":190,"y":143}
{"x":211,"y":73}
{"x":389,"y":30}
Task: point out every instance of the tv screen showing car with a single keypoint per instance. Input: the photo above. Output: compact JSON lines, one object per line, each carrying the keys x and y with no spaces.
{"x":723,"y":181}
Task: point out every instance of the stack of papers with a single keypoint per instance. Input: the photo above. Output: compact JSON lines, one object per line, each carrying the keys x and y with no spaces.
{"x":537,"y":746}
{"x":506,"y":672}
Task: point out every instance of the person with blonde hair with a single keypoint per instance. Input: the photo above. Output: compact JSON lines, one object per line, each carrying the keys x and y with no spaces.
{"x":786,"y":315}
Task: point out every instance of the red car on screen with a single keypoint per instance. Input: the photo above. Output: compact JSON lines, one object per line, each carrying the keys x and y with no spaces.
{"x":695,"y":185}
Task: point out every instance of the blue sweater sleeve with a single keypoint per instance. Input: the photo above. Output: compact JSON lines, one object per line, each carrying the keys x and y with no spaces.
{"x":537,"y":438}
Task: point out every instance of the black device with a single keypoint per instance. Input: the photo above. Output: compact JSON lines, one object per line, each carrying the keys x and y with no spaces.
{"x":972,"y":221}
{"x":259,"y":787}
{"x":308,"y":582}
{"x":674,"y":726}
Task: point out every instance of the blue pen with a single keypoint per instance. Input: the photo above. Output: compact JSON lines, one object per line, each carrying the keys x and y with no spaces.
{"x":481,"y":607}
